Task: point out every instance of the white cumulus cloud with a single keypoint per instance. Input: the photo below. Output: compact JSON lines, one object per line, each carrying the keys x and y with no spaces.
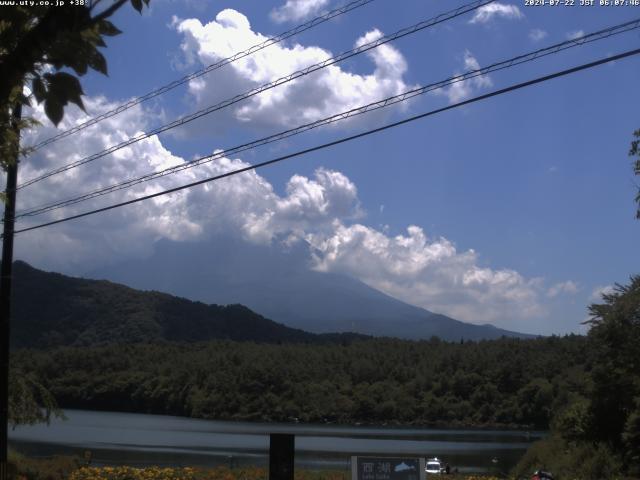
{"x":322,"y":209}
{"x":427,"y":272}
{"x":245,"y":203}
{"x":599,"y":291}
{"x":321,"y":94}
{"x":462,"y":90}
{"x":568,"y":287}
{"x":575,"y":34}
{"x":310,"y":204}
{"x":537,"y":35}
{"x":487,"y":12}
{"x":295,"y":10}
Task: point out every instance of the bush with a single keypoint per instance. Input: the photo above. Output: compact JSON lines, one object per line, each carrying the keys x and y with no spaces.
{"x":54,"y":468}
{"x":569,"y":460}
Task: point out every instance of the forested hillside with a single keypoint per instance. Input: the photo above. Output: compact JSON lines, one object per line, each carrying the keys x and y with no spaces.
{"x":75,"y":311}
{"x":503,"y":382}
{"x":80,"y":311}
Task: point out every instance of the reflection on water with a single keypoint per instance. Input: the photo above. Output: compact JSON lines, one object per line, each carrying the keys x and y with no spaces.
{"x":138,"y":439}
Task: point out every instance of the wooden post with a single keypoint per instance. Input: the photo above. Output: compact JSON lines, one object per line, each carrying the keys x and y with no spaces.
{"x":281,"y":455}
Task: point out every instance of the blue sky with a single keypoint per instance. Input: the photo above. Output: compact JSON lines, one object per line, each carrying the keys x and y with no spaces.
{"x":512,"y":211}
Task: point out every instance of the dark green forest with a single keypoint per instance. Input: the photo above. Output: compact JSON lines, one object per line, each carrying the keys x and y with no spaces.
{"x":507,"y":382}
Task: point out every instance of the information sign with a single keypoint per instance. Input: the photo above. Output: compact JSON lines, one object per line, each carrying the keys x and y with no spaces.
{"x":387,"y":468}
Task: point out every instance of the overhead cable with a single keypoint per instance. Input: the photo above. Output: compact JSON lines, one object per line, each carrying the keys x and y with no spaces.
{"x":502,"y":91}
{"x":210,"y":68}
{"x":443,"y":17}
{"x":528,"y":57}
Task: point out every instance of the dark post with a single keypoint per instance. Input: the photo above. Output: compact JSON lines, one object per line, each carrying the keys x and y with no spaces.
{"x":5,"y":295}
{"x":281,"y":452}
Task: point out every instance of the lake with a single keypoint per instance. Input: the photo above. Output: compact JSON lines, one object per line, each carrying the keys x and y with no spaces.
{"x":140,"y":439}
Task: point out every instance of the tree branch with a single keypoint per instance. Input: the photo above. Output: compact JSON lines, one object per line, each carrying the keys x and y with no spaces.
{"x":31,"y":48}
{"x":107,"y":12}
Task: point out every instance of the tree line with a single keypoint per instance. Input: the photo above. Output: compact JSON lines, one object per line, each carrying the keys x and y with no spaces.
{"x":507,"y":382}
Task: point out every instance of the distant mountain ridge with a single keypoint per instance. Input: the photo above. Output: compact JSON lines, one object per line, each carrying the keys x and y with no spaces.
{"x":50,"y":309}
{"x":280,"y":285}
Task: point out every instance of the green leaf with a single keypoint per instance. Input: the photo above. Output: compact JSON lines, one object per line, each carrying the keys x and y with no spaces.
{"x":39,"y":90}
{"x":93,"y":36}
{"x":72,"y":50}
{"x":54,"y":109}
{"x":15,"y":95}
{"x":28,"y":122}
{"x":98,"y":62}
{"x":105,"y":27}
{"x":137,"y":4}
{"x":79,"y":64}
{"x":65,"y":88}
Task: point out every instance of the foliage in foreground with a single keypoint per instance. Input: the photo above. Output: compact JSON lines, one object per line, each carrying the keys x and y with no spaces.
{"x":182,"y":473}
{"x":598,"y":435}
{"x":40,"y":46}
{"x":29,"y":400}
{"x":218,"y":473}
{"x":635,"y":152}
{"x":569,"y":461}
{"x":68,"y":468}
{"x":21,"y":467}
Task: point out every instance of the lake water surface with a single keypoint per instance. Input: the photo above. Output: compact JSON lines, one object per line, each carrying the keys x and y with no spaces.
{"x":140,"y":439}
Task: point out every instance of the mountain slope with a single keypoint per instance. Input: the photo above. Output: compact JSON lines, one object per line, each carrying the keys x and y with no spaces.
{"x":50,"y":309}
{"x":280,"y":285}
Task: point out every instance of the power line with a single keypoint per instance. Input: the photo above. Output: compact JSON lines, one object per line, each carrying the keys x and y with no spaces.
{"x":344,"y":139}
{"x":443,"y":17}
{"x":553,"y":49}
{"x":310,"y":69}
{"x":214,"y":66}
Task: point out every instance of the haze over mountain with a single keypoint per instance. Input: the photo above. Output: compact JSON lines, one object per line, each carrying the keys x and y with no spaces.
{"x":50,"y":310}
{"x":279,"y":284}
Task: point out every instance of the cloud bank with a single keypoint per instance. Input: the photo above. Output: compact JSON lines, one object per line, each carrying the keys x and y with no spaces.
{"x":323,"y":210}
{"x":427,"y":272}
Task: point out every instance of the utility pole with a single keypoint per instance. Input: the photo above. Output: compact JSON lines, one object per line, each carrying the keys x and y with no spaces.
{"x":5,"y":292}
